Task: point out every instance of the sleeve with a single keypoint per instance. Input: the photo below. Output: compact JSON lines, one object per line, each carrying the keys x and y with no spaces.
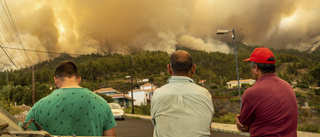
{"x":110,"y":122}
{"x":32,"y":114}
{"x":152,"y":112}
{"x":153,"y":109}
{"x":247,"y":110}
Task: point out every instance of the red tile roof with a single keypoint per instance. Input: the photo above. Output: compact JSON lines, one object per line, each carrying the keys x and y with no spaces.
{"x":147,"y":84}
{"x":106,"y":90}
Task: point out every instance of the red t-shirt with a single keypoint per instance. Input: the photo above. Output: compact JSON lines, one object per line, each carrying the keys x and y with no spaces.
{"x":269,"y":108}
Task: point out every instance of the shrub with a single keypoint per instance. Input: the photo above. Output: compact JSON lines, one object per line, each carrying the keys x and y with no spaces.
{"x":234,"y":93}
{"x":106,"y":97}
{"x":304,"y":85}
{"x":309,"y":128}
{"x":317,"y":91}
{"x":8,"y":105}
{"x":213,"y":87}
{"x":228,"y":118}
{"x":298,"y":95}
{"x":145,"y":109}
{"x":217,"y":93}
{"x":233,"y":100}
{"x":142,"y":110}
{"x":245,"y":85}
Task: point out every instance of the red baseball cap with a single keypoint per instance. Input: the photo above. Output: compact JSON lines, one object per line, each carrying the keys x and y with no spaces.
{"x":262,"y":55}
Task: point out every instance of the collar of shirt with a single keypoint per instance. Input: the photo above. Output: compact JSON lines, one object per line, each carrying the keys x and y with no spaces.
{"x":266,"y":76}
{"x":174,"y":79}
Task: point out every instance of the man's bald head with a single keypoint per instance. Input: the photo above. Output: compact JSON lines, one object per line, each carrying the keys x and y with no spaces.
{"x":181,"y":62}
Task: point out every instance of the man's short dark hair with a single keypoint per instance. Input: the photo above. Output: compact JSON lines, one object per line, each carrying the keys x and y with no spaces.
{"x":181,"y":63}
{"x":265,"y":68}
{"x":66,"y":69}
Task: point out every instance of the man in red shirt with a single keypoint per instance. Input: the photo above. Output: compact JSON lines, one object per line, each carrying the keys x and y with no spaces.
{"x":269,"y":107}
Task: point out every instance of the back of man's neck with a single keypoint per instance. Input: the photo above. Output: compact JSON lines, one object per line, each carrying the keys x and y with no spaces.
{"x":181,"y":75}
{"x":71,"y":86}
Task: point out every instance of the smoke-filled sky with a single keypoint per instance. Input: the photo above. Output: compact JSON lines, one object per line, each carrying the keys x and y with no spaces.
{"x":128,"y":26}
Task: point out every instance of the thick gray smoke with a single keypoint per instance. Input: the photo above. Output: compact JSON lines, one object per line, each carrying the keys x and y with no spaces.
{"x":127,"y":26}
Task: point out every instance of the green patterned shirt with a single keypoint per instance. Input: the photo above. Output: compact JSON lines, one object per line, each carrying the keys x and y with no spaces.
{"x":72,"y":111}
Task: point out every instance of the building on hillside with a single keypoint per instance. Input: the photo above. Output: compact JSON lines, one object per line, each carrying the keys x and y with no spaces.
{"x":143,"y":95}
{"x":143,"y":80}
{"x":162,"y":73}
{"x":234,"y":83}
{"x":107,"y":91}
{"x":117,"y":96}
{"x":122,"y":99}
{"x":202,"y":81}
{"x":148,"y":86}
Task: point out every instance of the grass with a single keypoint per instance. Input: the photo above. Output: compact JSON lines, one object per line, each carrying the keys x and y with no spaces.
{"x":134,"y":117}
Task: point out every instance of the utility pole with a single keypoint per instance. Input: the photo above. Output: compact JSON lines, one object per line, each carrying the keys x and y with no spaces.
{"x":91,"y":76}
{"x":123,"y":89}
{"x":33,"y":88}
{"x":131,"y":62}
{"x":6,"y":75}
{"x":209,"y":82}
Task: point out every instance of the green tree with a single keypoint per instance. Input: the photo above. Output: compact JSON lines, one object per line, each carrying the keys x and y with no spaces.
{"x":292,"y":70}
{"x":106,"y":97}
{"x":315,"y":72}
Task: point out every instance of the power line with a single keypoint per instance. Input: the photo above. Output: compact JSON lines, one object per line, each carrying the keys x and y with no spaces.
{"x":10,"y":34}
{"x":5,"y":35}
{"x":14,"y":26}
{"x":41,"y":51}
{"x":3,"y":44}
{"x":51,"y":52}
{"x":8,"y":56}
{"x":7,"y":42}
{"x":2,"y":63}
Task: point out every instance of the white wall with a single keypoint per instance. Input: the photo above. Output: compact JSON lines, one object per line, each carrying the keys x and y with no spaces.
{"x":139,"y":97}
{"x":145,"y":87}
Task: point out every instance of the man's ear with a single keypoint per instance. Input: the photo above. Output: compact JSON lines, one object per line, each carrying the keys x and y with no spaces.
{"x":193,"y":70}
{"x":256,"y":69}
{"x":79,"y":79}
{"x":170,"y":71}
{"x":56,"y":81}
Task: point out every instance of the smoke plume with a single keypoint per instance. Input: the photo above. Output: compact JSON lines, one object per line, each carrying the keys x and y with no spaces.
{"x":128,"y":26}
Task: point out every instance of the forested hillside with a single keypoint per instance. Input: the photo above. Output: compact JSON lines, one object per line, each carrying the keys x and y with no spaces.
{"x":110,"y":70}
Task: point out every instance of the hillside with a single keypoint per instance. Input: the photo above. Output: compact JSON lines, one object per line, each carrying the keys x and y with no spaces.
{"x":110,"y":70}
{"x":101,"y":70}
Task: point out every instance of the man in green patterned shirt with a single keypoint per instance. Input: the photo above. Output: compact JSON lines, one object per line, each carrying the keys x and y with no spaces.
{"x":71,"y":109}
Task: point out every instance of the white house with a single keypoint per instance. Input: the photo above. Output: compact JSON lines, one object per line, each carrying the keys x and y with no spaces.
{"x":234,"y":83}
{"x":148,"y":86}
{"x":143,"y":95}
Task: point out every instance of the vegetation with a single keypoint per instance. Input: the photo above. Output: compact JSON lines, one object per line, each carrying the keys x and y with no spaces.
{"x":229,"y":118}
{"x":141,"y":110}
{"x":107,"y":98}
{"x":309,"y":128}
{"x":7,"y":105}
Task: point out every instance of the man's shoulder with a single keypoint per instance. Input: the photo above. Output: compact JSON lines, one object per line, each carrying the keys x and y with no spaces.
{"x":169,"y":89}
